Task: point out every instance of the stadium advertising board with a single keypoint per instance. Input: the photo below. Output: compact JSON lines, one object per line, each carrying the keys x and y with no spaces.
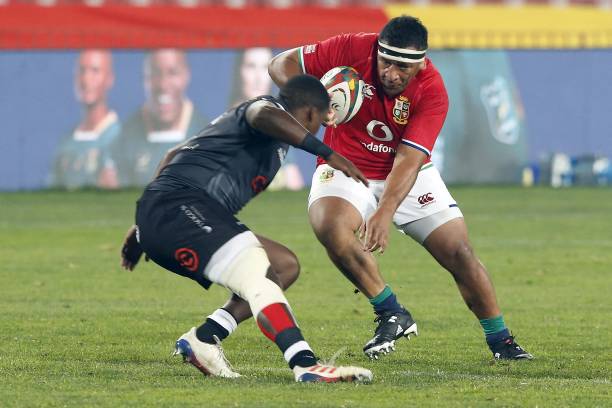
{"x":506,"y":110}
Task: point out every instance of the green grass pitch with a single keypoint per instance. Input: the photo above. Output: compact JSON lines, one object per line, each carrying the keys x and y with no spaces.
{"x":76,"y":330}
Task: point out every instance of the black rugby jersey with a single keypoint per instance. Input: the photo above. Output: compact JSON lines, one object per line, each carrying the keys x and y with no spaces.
{"x":231,"y":161}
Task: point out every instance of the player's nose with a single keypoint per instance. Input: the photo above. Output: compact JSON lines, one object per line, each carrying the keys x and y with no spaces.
{"x":393,"y":73}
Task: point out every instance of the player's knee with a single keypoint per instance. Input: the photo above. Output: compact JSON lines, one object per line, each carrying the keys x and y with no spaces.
{"x":325,"y":226}
{"x":463,"y":252}
{"x":261,"y":293}
{"x":461,"y":256}
{"x":339,"y":248}
{"x":335,"y":238}
{"x":321,"y":231}
{"x":247,"y":276}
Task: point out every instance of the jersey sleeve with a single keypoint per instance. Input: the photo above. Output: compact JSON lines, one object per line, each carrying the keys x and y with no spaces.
{"x":427,"y":119}
{"x":318,"y":58}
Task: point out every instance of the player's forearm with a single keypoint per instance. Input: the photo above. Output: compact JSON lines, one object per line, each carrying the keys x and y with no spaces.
{"x":277,"y":123}
{"x":284,"y":66}
{"x":397,"y":187}
{"x":281,"y":125}
{"x":401,"y":179}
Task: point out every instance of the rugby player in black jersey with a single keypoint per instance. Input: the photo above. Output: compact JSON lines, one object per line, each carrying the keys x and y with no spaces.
{"x":185,"y":222}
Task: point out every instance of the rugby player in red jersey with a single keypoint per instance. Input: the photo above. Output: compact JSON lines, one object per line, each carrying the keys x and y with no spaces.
{"x":390,"y":140}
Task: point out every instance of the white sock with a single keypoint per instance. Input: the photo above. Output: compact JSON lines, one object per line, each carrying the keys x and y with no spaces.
{"x":224,"y":319}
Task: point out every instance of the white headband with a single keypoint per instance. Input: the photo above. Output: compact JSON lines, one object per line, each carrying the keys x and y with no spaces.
{"x":400,"y":54}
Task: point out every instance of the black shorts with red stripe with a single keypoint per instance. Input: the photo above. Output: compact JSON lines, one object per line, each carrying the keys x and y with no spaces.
{"x":180,"y":230}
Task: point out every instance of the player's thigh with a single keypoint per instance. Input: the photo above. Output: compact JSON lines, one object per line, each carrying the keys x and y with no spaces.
{"x":446,"y":236}
{"x":422,"y":230}
{"x":338,"y":200}
{"x":185,"y":232}
{"x":450,"y":246}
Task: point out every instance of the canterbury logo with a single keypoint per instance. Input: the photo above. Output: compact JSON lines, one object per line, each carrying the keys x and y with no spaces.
{"x":425,"y":199}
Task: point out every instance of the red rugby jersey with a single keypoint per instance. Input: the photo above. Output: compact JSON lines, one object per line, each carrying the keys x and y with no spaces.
{"x":370,"y":139}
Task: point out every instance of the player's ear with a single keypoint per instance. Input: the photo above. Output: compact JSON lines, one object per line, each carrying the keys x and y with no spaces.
{"x":313,"y":115}
{"x":315,"y":118}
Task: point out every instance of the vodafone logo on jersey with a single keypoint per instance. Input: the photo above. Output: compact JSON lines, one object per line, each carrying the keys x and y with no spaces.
{"x":380,"y":132}
{"x":426,"y":199}
{"x":378,"y":147}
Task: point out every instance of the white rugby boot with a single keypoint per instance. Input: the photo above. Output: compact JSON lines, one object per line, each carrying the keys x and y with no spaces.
{"x":208,"y":358}
{"x":330,"y":373}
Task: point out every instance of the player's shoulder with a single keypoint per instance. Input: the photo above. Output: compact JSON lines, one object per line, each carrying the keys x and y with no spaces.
{"x":255,"y":108}
{"x":430,"y":71}
{"x":355,"y":39}
{"x":430,"y":77}
{"x":265,"y":100}
{"x":369,"y":38}
{"x":363,"y":41}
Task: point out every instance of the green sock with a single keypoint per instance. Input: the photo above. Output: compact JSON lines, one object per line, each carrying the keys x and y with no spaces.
{"x":385,"y":301}
{"x":493,"y":325}
{"x":381,"y":297}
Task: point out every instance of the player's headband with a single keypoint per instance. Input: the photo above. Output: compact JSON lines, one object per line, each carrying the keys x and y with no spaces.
{"x":400,"y":54}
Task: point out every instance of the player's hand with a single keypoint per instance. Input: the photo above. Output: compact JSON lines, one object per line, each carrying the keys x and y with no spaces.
{"x":339,"y":162}
{"x":330,"y":118}
{"x":131,"y":251}
{"x":374,"y":233}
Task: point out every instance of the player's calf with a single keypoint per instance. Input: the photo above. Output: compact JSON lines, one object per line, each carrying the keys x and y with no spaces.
{"x":246,"y":276}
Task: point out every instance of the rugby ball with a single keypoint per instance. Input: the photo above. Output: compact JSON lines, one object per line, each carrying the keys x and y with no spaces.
{"x":345,"y":88}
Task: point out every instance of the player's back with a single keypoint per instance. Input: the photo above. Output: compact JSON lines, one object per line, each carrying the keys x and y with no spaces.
{"x":228,"y":159}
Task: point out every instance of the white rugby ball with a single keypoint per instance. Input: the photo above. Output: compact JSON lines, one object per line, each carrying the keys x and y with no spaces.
{"x":345,"y":88}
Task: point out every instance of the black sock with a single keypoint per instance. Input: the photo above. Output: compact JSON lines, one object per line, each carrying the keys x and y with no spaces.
{"x":304,"y":358}
{"x":209,"y":329}
{"x":292,"y":337}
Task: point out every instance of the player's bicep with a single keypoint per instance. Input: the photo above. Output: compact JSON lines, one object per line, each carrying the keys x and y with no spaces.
{"x":257,"y":109}
{"x":409,"y":157}
{"x":285,"y":65}
{"x":318,"y":58}
{"x":271,"y":119}
{"x":425,"y":124}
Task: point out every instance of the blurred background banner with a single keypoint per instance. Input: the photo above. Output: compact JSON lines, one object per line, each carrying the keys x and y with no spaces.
{"x":286,"y":23}
{"x":93,"y":92}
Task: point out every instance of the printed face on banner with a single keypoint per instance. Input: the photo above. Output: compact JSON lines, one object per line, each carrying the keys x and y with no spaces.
{"x":93,"y":76}
{"x":166,"y":78}
{"x":254,"y":72}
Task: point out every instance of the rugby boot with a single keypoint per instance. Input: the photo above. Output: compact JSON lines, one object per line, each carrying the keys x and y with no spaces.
{"x":208,"y":358}
{"x":330,"y":374}
{"x":508,"y":349}
{"x":391,"y":326}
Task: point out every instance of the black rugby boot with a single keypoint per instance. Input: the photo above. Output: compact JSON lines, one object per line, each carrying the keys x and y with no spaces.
{"x":508,"y":349}
{"x":391,"y":326}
